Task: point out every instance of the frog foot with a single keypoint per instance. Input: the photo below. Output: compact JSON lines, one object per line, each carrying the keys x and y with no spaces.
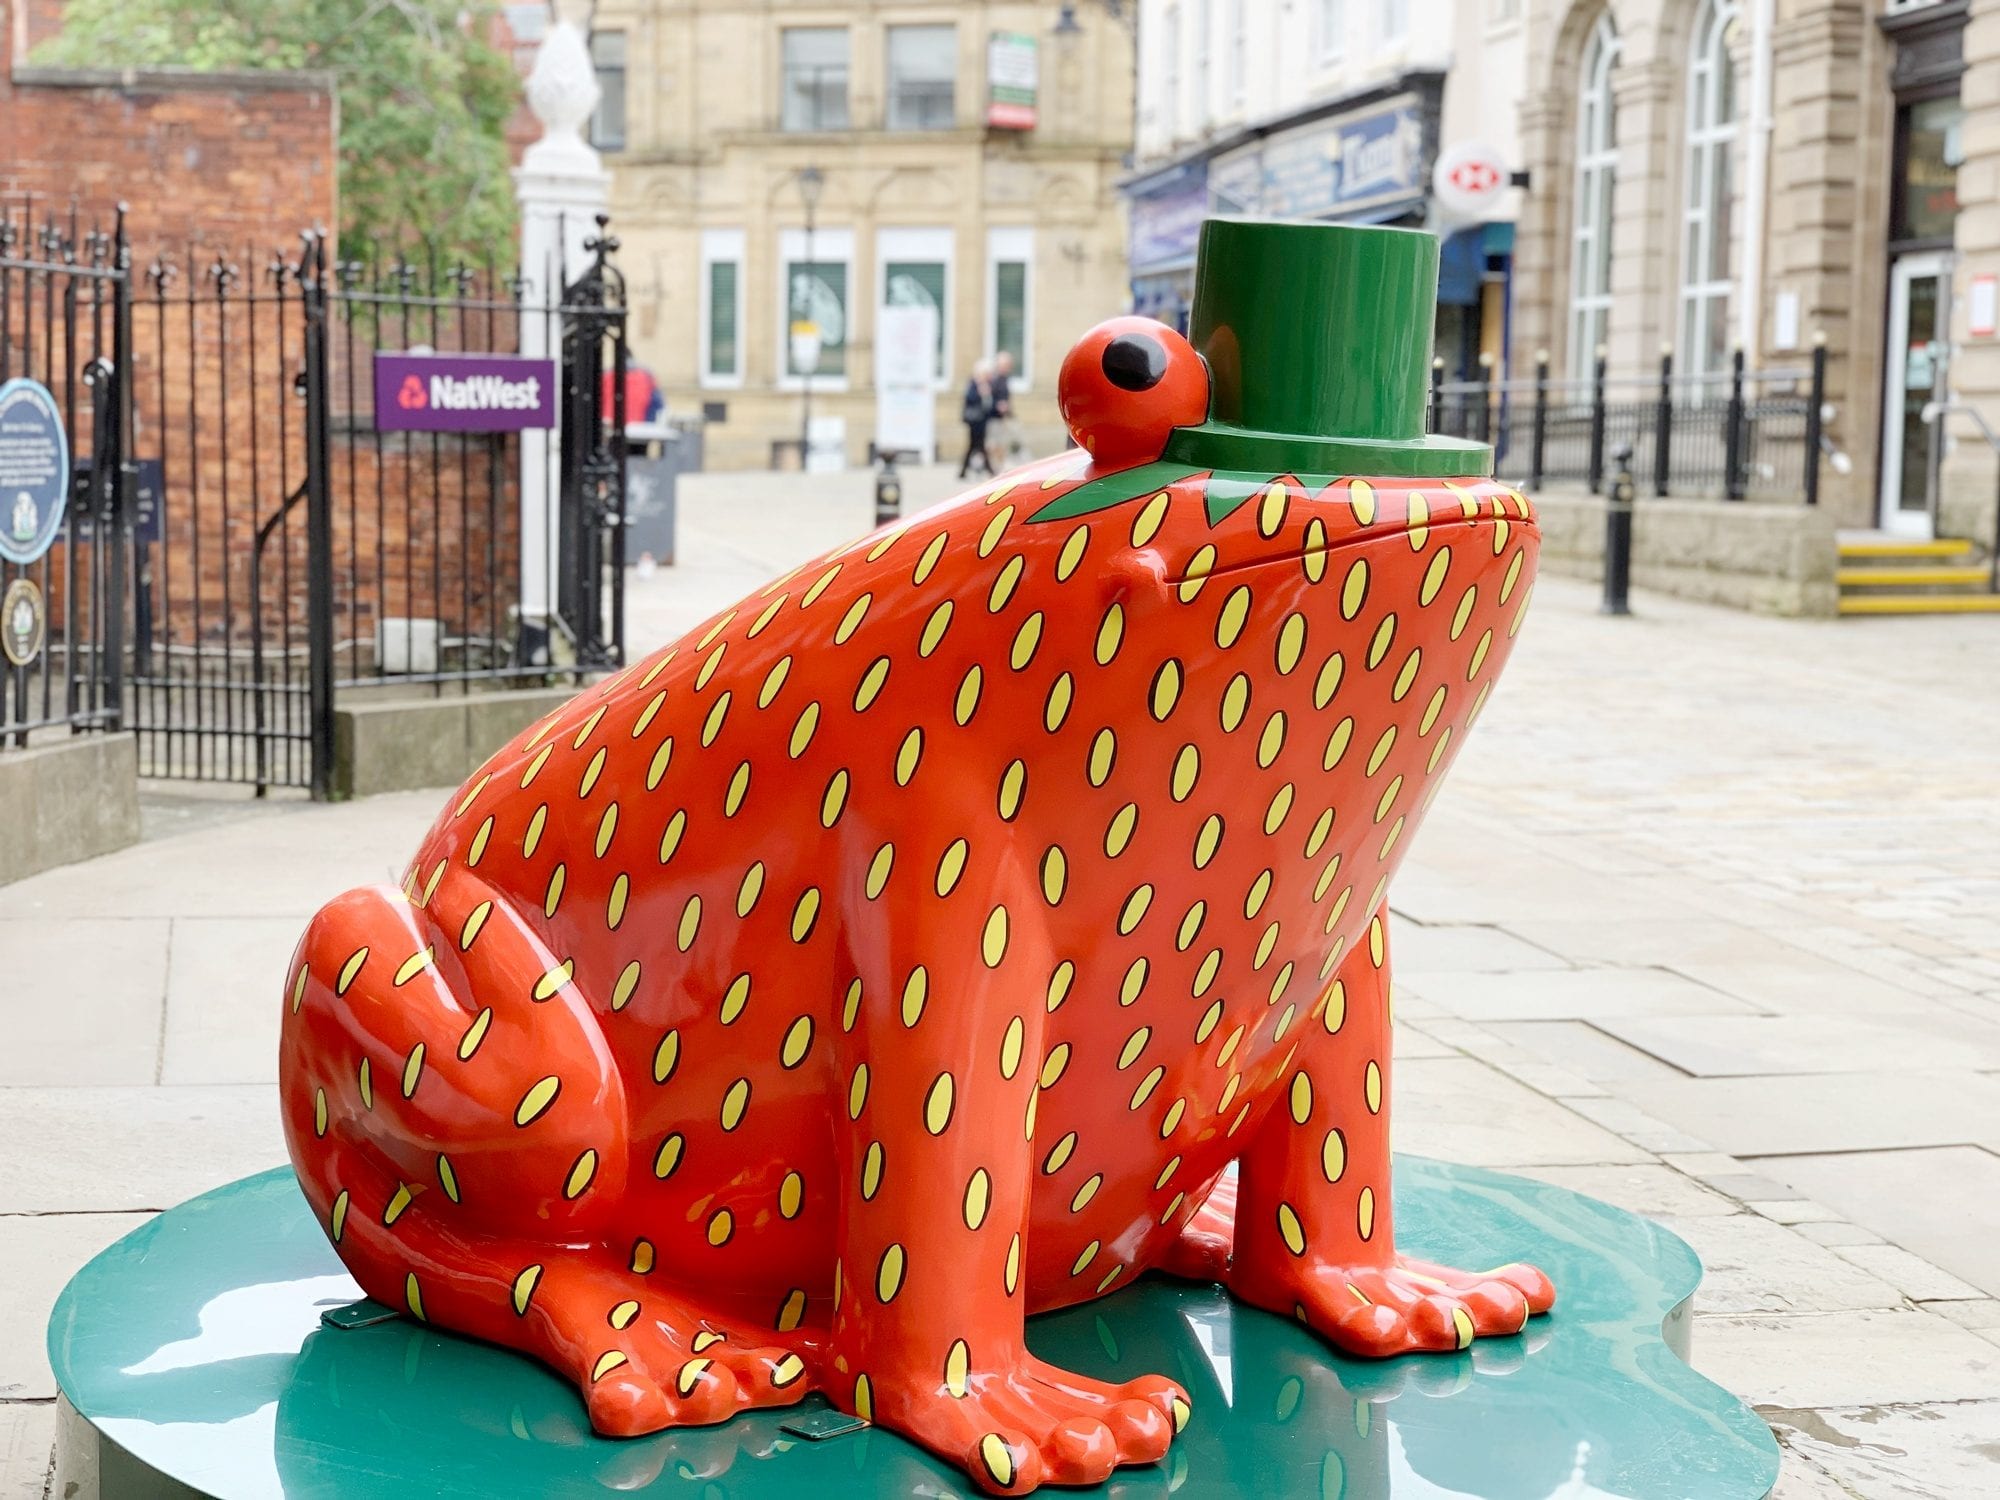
{"x":1032,"y":1423}
{"x":1411,"y":1305}
{"x":662,"y":1368}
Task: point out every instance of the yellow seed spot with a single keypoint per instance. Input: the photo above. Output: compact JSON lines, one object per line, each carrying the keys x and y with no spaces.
{"x":957,"y":1365}
{"x":1235,"y":611}
{"x":1333,"y":1156}
{"x":1088,"y":1254}
{"x":934,"y":629}
{"x":594,"y":770}
{"x":1054,"y":1064}
{"x":614,"y":906}
{"x":819,"y":586}
{"x":851,"y":621}
{"x":339,"y":1216}
{"x":1235,"y":703}
{"x":1207,"y":840}
{"x":537,"y":1100}
{"x":1260,"y":888}
{"x":1372,"y":1088}
{"x":479,"y":842}
{"x":1364,"y":1216}
{"x":1265,"y":945}
{"x":1355,"y":590}
{"x":734,"y":999}
{"x":652,"y":709}
{"x":668,"y":1157}
{"x":908,"y":756}
{"x":1479,"y":655}
{"x":1461,"y":1322}
{"x":524,"y":1289}
{"x":1292,"y":1231}
{"x":1150,"y":519}
{"x":864,"y":1399}
{"x":319,"y":1112}
{"x":580,"y":1175}
{"x":628,"y":980}
{"x":1004,"y":584}
{"x":870,"y":686}
{"x":951,"y":865}
{"x":1389,"y":795}
{"x":1187,"y":771}
{"x":622,"y":1315}
{"x":364,"y":1076}
{"x":720,"y":1226}
{"x":878,"y":870}
{"x":1059,"y":1155}
{"x":1272,"y":740}
{"x":1196,"y":573}
{"x":474,"y":1034}
{"x":535,"y":766}
{"x":889,"y":1273}
{"x":690,"y":923}
{"x":1086,"y":1192}
{"x":413,"y":1070}
{"x":990,"y":538}
{"x":1134,"y":1045}
{"x":1059,"y":982}
{"x":414,"y":965}
{"x":1055,"y":874}
{"x":1026,"y":639}
{"x":857,"y":1091}
{"x":1191,"y":922}
{"x":1204,"y":977}
{"x":993,"y":939}
{"x":431,"y":885}
{"x":871,"y":1171}
{"x":929,"y":559}
{"x":1173,"y":1120}
{"x":1072,"y":553}
{"x":552,"y":899}
{"x":978,"y":1197}
{"x":658,"y":767}
{"x":967,"y":702}
{"x":397,"y":1204}
{"x":938,"y":1105}
{"x":850,"y":1007}
{"x":642,"y":1257}
{"x":1166,"y":691}
{"x":1146,"y":1086}
{"x":791,"y":1195}
{"x":1134,"y":982}
{"x":1134,"y":909}
{"x":1110,"y":633}
{"x":350,"y":970}
{"x":1464,"y":612}
{"x":1205,"y":1027}
{"x":413,"y":1296}
{"x":1103,"y":756}
{"x":708,"y":666}
{"x":998,"y":1458}
{"x":802,"y":729}
{"x":834,"y":801}
{"x":1013,"y":781}
{"x":805,"y":914}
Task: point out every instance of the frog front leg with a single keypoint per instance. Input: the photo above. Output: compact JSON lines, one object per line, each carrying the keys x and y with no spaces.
{"x":1313,"y":1234}
{"x":942,"y":1050}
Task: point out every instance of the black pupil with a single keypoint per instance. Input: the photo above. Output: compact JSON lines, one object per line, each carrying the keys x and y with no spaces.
{"x":1133,"y":362}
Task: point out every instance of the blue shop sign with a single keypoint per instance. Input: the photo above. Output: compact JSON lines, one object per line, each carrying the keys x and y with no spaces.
{"x":34,"y":470}
{"x":1331,"y":169}
{"x":1166,"y":224}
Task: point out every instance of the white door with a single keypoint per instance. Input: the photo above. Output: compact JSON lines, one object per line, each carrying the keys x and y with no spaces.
{"x":1919,"y":328}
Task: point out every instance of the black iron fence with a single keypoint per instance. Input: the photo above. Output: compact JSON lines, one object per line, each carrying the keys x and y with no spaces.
{"x":1732,"y":435}
{"x":281,"y":543}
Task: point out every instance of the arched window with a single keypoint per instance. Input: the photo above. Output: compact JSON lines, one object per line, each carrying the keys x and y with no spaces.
{"x":1706,"y":218}
{"x":1596,"y":181}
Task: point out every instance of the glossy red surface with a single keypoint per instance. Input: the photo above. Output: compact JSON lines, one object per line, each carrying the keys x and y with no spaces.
{"x":913,"y":946}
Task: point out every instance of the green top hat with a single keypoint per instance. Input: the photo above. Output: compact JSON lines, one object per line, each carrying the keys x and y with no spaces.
{"x":1318,"y":342}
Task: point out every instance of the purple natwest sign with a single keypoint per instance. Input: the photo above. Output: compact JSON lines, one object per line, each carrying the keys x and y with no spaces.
{"x":463,"y":392}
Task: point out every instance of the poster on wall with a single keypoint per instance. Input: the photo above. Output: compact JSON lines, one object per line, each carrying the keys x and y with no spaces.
{"x":1012,"y":75}
{"x":906,"y":380}
{"x":34,"y":470}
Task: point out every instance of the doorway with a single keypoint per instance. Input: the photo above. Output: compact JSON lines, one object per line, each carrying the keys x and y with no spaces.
{"x":1919,"y":324}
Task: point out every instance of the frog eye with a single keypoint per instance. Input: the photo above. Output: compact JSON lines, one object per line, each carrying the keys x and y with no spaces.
{"x":1134,"y":362}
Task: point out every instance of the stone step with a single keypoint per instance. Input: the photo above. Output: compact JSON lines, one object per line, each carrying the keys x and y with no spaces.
{"x":1919,"y":604}
{"x":1875,"y":577}
{"x":1903,"y":547}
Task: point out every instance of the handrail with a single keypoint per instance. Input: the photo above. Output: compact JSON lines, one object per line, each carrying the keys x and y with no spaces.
{"x":1933,"y":412}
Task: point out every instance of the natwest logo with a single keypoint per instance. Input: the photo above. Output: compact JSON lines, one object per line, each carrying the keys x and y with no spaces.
{"x":484,"y":393}
{"x":426,"y":391}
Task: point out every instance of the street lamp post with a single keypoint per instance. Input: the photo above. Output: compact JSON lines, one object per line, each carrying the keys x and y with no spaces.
{"x":811,"y":180}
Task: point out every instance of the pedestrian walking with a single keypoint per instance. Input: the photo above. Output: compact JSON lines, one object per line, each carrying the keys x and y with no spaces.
{"x":1005,"y":434}
{"x":976,"y":413}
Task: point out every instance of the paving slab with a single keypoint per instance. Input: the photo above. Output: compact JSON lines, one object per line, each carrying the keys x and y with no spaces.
{"x":1461,"y":1110}
{"x":1925,"y":1037}
{"x":27,"y":1448}
{"x":1669,"y":944}
{"x":83,"y":997}
{"x":1870,"y":1357}
{"x":97,"y":1150}
{"x":1819,"y":1112}
{"x":1466,"y":950}
{"x":225,"y":984}
{"x":1586,"y":1048}
{"x":1575,"y":995}
{"x":1898,"y":1452}
{"x":1751,"y":1265}
{"x":41,"y":1252}
{"x":1940,"y":1203}
{"x":1810,"y":987}
{"x":1647,"y":1188}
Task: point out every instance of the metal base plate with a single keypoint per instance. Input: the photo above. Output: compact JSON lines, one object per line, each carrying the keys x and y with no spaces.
{"x":193,"y":1359}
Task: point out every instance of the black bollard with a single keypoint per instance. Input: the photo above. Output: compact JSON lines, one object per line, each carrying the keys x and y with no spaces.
{"x":1618,"y":534}
{"x":888,"y":489}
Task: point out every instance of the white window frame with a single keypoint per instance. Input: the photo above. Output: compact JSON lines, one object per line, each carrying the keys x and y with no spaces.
{"x":1239,"y":50}
{"x":1012,"y":242}
{"x":1395,"y":16}
{"x":935,"y":245}
{"x":1710,"y":144}
{"x":720,"y":246}
{"x":830,"y":247}
{"x":1330,"y":30}
{"x":1170,"y":70}
{"x":1596,"y":174}
{"x":1204,"y":28}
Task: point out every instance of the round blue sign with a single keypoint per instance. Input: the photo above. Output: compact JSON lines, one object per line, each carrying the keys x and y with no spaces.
{"x":34,"y":470}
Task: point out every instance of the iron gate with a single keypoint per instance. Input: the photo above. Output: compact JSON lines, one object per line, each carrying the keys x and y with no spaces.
{"x":281,"y":547}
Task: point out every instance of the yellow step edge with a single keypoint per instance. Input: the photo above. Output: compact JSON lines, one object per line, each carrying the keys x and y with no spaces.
{"x":1942,"y":547}
{"x":1920,"y":604}
{"x":1909,"y":577}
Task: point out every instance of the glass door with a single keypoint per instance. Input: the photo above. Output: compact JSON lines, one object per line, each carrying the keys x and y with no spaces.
{"x":1919,"y":292}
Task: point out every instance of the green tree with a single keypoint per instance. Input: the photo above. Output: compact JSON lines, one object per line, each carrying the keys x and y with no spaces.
{"x":424,"y":98}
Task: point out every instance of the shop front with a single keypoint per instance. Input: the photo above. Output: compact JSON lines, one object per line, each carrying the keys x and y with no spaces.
{"x":1166,"y":213}
{"x":1923,"y":216}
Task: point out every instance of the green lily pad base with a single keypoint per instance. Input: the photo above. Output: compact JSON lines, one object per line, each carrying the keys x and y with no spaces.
{"x":193,"y":1359}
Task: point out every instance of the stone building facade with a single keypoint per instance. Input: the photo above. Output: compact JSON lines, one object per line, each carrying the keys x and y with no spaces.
{"x":1709,"y":175}
{"x":965,"y":159}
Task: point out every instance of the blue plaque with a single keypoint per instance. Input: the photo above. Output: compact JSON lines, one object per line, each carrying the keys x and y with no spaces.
{"x":34,"y":470}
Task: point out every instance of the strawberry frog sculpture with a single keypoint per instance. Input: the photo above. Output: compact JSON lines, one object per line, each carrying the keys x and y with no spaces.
{"x":916,"y":945}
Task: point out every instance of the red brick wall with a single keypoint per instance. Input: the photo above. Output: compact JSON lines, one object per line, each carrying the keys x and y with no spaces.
{"x":209,"y":160}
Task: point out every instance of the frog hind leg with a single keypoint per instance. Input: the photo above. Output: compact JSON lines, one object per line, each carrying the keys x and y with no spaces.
{"x":459,"y":1128}
{"x":1312,"y":1233}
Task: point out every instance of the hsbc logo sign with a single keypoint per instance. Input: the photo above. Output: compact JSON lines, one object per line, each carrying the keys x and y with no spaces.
{"x":1469,"y":181}
{"x":424,"y":392}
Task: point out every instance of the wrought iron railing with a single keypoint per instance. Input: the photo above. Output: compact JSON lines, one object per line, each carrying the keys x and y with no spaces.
{"x":1730,"y":435}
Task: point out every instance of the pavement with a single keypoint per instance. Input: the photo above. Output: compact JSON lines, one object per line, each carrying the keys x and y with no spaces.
{"x":1706,"y":923}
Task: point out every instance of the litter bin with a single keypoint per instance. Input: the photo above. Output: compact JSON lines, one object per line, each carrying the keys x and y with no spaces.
{"x":657,"y":454}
